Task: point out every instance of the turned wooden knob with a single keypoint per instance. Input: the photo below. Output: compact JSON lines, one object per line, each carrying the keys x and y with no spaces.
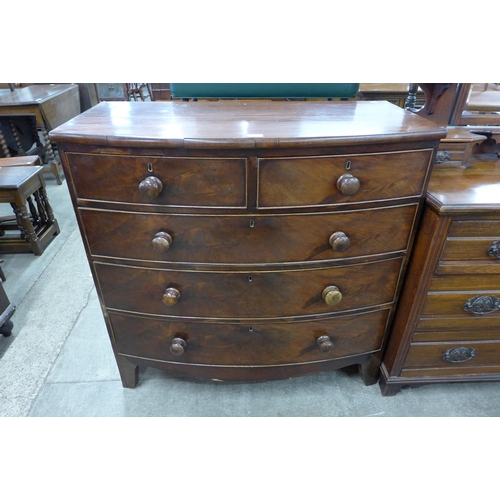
{"x":348,"y":185}
{"x":331,"y":295}
{"x":177,"y":347}
{"x":161,"y":242}
{"x":150,"y":187}
{"x":339,"y":241}
{"x":324,"y":343}
{"x":171,"y":296}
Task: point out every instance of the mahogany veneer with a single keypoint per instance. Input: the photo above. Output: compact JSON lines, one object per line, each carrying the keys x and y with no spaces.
{"x":246,"y":241}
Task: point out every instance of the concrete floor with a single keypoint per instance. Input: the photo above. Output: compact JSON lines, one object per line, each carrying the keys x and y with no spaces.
{"x":58,"y":361}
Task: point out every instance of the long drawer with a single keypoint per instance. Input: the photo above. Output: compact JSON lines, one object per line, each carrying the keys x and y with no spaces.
{"x":464,"y":304}
{"x":185,"y":182}
{"x":315,"y":181}
{"x":247,"y":239}
{"x":263,"y":294}
{"x":453,"y":355}
{"x":249,"y":344}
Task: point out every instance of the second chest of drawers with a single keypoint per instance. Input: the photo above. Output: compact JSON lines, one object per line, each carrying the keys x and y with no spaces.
{"x":446,"y":327}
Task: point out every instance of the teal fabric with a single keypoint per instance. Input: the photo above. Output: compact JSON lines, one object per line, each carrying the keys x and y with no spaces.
{"x":263,"y":90}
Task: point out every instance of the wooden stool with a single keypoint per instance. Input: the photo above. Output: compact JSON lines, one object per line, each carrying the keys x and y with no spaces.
{"x":34,"y":219}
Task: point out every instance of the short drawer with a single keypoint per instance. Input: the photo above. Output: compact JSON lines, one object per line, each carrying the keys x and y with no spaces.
{"x":316,"y":181}
{"x":247,"y":343}
{"x":185,"y":182}
{"x":262,"y":294}
{"x":463,"y":304}
{"x":453,"y":355}
{"x":247,"y":239}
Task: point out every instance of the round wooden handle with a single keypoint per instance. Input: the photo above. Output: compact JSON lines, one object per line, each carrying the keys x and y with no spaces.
{"x":150,"y":187}
{"x":348,"y":185}
{"x":324,"y":343}
{"x":171,"y":296}
{"x":161,"y":242}
{"x":331,"y":295}
{"x":177,"y":347}
{"x":339,"y":241}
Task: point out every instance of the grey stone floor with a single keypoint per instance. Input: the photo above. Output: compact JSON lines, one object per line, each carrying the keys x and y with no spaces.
{"x":58,"y":361}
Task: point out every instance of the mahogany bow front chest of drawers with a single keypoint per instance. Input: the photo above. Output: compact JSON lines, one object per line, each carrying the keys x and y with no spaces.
{"x":247,"y":241}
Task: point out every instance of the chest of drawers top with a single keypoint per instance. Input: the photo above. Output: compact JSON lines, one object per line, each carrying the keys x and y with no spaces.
{"x":245,"y":124}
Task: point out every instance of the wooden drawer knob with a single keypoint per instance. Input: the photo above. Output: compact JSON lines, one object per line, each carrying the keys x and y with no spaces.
{"x":339,"y":241}
{"x":171,"y":296}
{"x":494,"y":250}
{"x":161,"y":242}
{"x":331,"y":295}
{"x":348,"y":185}
{"x":324,"y":343}
{"x":150,"y":187}
{"x":177,"y":347}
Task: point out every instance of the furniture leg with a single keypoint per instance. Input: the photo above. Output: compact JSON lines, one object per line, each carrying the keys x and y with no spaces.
{"x":129,"y":373}
{"x":54,"y":166}
{"x":3,"y":144}
{"x":6,"y":329}
{"x":17,"y":139}
{"x":26,"y":227}
{"x":369,"y":370}
{"x":44,"y":201}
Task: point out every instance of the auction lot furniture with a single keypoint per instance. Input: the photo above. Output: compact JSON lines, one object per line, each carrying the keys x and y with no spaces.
{"x":446,"y":328}
{"x":50,"y":105}
{"x":24,"y":188}
{"x":247,"y":241}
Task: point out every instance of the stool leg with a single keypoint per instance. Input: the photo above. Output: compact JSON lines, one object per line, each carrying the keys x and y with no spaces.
{"x":48,"y":208}
{"x":27,"y":228}
{"x":51,"y":155}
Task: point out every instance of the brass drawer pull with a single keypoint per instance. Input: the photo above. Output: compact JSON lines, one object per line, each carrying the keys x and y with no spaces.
{"x":178,"y":346}
{"x":324,"y":343}
{"x":339,"y":241}
{"x":348,"y":185}
{"x":171,"y":296}
{"x":150,"y":187}
{"x":161,"y":242}
{"x":494,"y":250}
{"x":459,"y":354}
{"x":331,"y":295}
{"x":482,"y":305}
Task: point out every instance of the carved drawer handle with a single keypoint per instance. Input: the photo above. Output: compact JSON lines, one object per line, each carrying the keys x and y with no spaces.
{"x":171,"y":296}
{"x":324,"y":343}
{"x":332,"y":295}
{"x":339,"y":241}
{"x":178,"y":346}
{"x":482,"y":305}
{"x":494,"y":250}
{"x":459,"y":354}
{"x":150,"y":187}
{"x":348,"y":185}
{"x":161,"y":242}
